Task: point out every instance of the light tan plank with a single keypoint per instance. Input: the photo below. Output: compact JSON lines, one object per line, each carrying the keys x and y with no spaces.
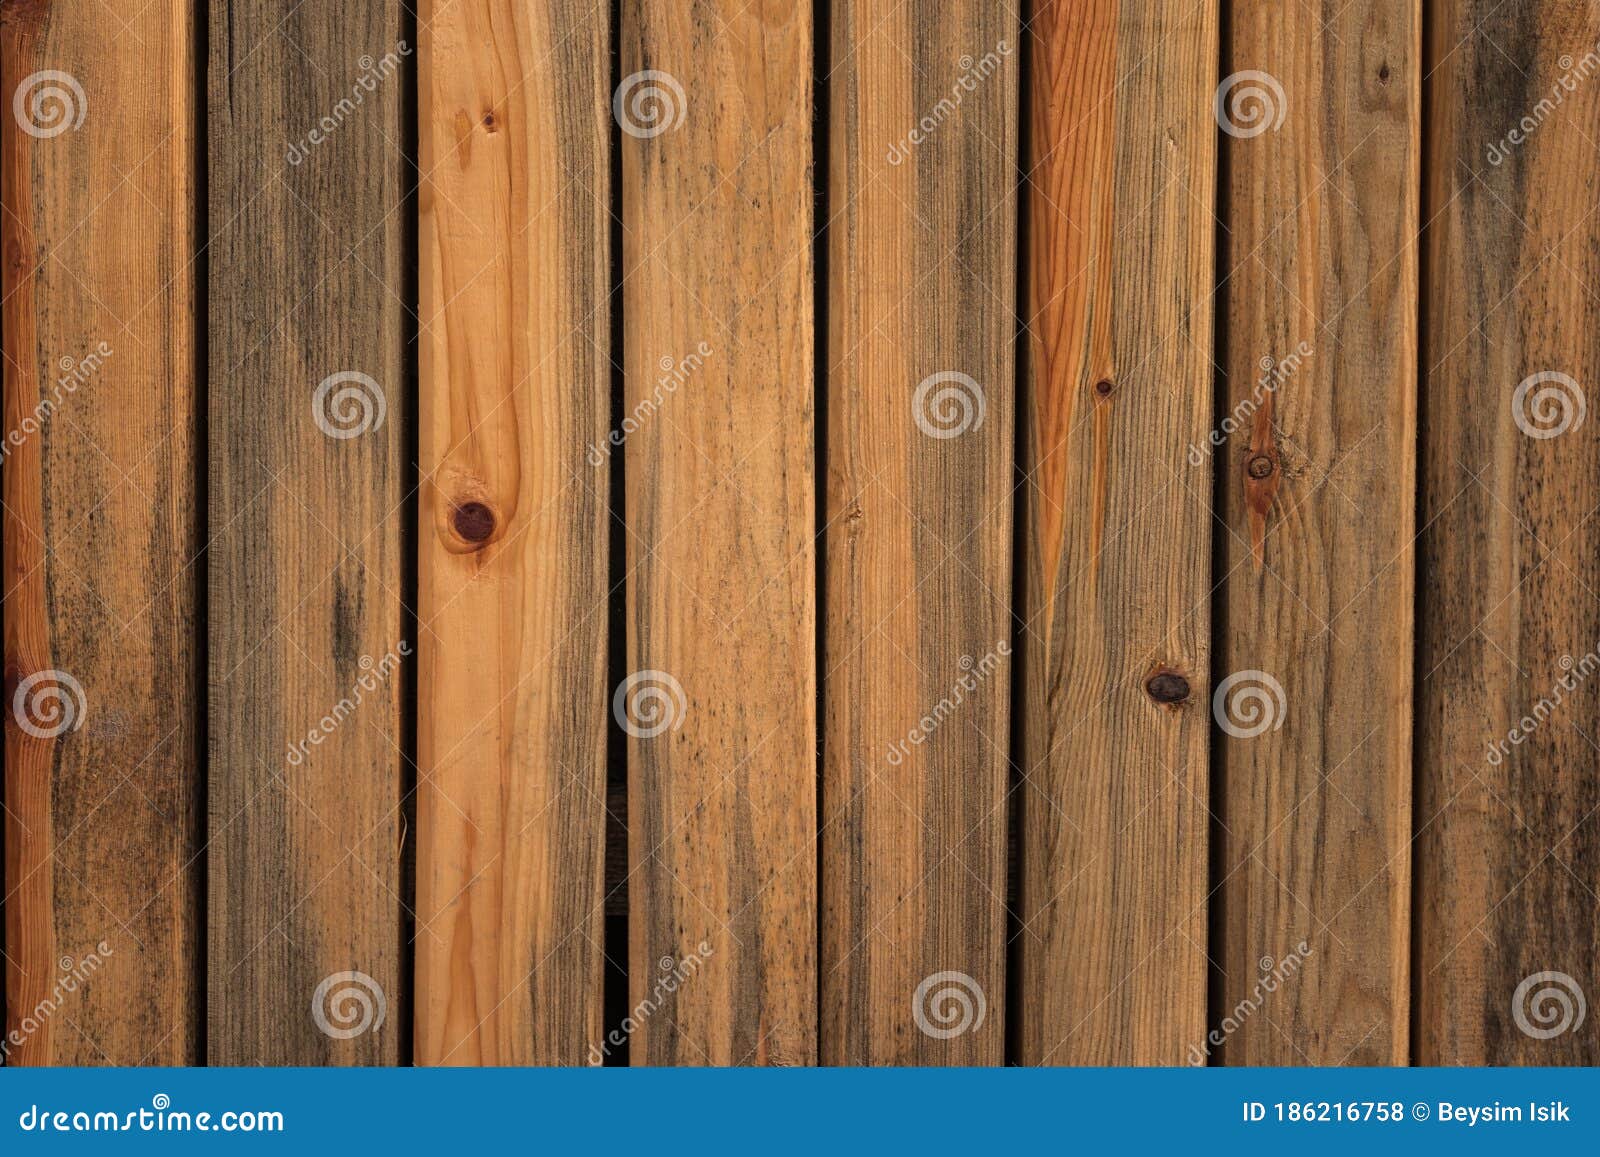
{"x":921,"y":381}
{"x":717,"y":210}
{"x":515,"y":396}
{"x":1319,"y":471}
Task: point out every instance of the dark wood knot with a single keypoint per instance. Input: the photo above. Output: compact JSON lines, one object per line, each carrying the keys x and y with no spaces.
{"x":1167,"y":687}
{"x":474,"y":522}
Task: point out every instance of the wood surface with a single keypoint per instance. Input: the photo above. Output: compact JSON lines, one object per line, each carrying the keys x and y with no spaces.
{"x":921,"y":285}
{"x":1116,"y":533}
{"x":1318,"y":468}
{"x":307,"y":282}
{"x":514,"y":410}
{"x":720,"y":511}
{"x":1508,"y":851}
{"x":410,"y":505}
{"x":102,"y":792}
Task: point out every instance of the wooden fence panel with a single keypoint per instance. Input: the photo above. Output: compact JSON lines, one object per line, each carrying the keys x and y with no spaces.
{"x":916,"y":657}
{"x":1117,"y":532}
{"x":258,"y":542}
{"x":308,"y":407}
{"x":97,"y":152}
{"x":1319,"y":270}
{"x":514,"y":407}
{"x":1508,"y":811}
{"x":720,"y":697}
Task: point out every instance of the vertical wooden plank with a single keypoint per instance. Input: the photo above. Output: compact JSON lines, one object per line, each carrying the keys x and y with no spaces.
{"x":1508,"y":816}
{"x":1115,"y":658}
{"x":1314,"y":662}
{"x":307,"y":409}
{"x":514,"y":404}
{"x":720,"y":701}
{"x":97,"y":225}
{"x":921,"y":333}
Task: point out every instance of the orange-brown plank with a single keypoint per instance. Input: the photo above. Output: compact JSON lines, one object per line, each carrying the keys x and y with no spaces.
{"x":515,"y":396}
{"x":1117,"y":532}
{"x":1319,"y":469}
{"x":720,"y":696}
{"x":921,"y":383}
{"x":97,"y":224}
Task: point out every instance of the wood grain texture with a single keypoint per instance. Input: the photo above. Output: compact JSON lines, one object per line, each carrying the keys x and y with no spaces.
{"x":97,"y":225}
{"x":1508,"y":849}
{"x":1117,"y":532}
{"x":1319,"y":471}
{"x":717,"y":202}
{"x":514,"y":406}
{"x":922,"y":259}
{"x":306,"y":652}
